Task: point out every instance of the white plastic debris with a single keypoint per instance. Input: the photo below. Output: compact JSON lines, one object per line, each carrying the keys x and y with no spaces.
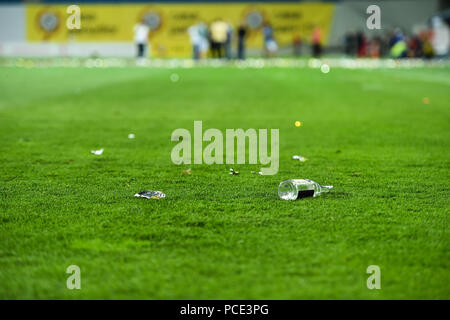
{"x":299,"y":158}
{"x":149,"y":194}
{"x":131,"y":136}
{"x":97,"y":152}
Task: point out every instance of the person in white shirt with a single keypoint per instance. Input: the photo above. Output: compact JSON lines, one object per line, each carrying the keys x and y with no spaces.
{"x":195,"y":37}
{"x":141,"y":32}
{"x":204,"y":40}
{"x":198,"y":34}
{"x":441,"y":37}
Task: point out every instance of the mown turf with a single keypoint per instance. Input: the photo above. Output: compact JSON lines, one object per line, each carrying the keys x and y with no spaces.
{"x":367,"y":132}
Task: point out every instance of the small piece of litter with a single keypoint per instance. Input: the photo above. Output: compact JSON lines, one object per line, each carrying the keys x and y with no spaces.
{"x":233,"y":172}
{"x":188,"y":171}
{"x":148,"y":194}
{"x":97,"y":152}
{"x":299,"y":158}
{"x":325,"y":68}
{"x":257,"y":172}
{"x":174,"y":77}
{"x":131,"y":136}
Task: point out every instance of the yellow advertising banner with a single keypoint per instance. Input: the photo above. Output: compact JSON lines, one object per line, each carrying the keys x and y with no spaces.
{"x":169,"y":22}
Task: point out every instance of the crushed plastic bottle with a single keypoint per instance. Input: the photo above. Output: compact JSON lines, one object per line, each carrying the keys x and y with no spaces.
{"x":294,"y":189}
{"x":97,"y":152}
{"x":149,"y":194}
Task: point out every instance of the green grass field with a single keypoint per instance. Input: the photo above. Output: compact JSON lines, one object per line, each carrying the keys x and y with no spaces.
{"x":367,"y":132}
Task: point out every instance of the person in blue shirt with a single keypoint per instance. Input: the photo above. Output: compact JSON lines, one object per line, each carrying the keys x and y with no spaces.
{"x":270,"y":45}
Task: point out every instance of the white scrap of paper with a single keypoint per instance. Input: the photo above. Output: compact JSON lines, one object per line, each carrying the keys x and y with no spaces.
{"x":97,"y":152}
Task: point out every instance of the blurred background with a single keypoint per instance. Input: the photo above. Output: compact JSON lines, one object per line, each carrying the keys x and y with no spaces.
{"x":225,"y":29}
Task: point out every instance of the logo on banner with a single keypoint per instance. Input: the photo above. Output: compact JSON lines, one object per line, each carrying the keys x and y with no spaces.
{"x":254,"y":19}
{"x":151,"y":18}
{"x":49,"y":22}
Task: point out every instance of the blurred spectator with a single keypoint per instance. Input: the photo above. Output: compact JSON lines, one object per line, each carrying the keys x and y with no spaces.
{"x":297,"y":45}
{"x":228,"y":41}
{"x":441,"y":37}
{"x":415,"y":47}
{"x":270,"y":45}
{"x":218,"y":37}
{"x":204,"y":40}
{"x":242,"y":33}
{"x":141,"y":32}
{"x":427,"y":47}
{"x":317,"y":42}
{"x":384,"y":44}
{"x":195,"y":38}
{"x":398,"y":45}
{"x":361,"y":44}
{"x":350,"y":43}
{"x":374,"y":48}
